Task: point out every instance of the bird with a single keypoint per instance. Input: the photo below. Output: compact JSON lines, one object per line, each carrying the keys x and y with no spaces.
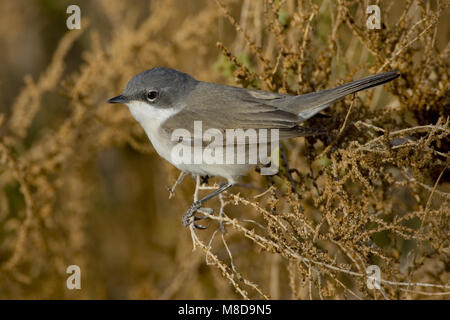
{"x":165,"y":101}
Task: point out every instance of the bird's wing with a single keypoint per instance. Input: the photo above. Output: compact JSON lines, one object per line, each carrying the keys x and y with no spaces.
{"x":224,"y":107}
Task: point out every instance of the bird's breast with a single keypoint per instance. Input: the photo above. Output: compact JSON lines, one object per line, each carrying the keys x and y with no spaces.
{"x":151,"y":118}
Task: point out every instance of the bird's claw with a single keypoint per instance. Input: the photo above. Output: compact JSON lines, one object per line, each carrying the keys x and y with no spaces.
{"x":190,"y":218}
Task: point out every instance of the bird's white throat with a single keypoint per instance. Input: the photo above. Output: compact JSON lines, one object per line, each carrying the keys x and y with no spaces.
{"x":148,"y":115}
{"x":151,"y":119}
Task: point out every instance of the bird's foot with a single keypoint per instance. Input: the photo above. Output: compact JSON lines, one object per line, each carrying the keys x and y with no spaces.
{"x":190,"y":218}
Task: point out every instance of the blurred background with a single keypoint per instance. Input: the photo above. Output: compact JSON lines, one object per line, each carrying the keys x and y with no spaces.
{"x":80,"y":183}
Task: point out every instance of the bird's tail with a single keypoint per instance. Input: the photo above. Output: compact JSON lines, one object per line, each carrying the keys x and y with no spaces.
{"x":309,"y":104}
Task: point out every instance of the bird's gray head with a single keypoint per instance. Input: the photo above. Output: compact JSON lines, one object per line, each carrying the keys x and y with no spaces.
{"x":159,"y":87}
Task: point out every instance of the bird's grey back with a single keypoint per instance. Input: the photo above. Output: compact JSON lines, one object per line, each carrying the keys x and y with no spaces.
{"x":239,"y":101}
{"x":227,"y":107}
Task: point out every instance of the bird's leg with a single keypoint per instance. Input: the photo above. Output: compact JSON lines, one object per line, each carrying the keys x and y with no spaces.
{"x":179,"y":180}
{"x":197,"y":205}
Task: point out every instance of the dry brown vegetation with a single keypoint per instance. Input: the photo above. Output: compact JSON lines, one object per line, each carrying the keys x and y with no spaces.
{"x":80,"y":183}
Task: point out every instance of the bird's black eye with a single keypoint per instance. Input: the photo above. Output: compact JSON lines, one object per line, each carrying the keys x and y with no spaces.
{"x":152,"y":95}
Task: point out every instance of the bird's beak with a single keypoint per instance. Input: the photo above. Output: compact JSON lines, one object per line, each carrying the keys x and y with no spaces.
{"x":118,"y":99}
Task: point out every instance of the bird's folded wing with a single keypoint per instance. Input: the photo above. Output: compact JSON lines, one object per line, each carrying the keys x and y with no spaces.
{"x":245,"y":120}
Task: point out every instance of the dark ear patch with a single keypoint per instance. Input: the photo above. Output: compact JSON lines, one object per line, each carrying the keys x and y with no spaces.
{"x":166,"y":96}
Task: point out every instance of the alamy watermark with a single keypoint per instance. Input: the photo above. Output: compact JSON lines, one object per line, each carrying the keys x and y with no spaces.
{"x":227,"y":147}
{"x":374,"y":19}
{"x":374,"y":277}
{"x":74,"y":280}
{"x":74,"y":20}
